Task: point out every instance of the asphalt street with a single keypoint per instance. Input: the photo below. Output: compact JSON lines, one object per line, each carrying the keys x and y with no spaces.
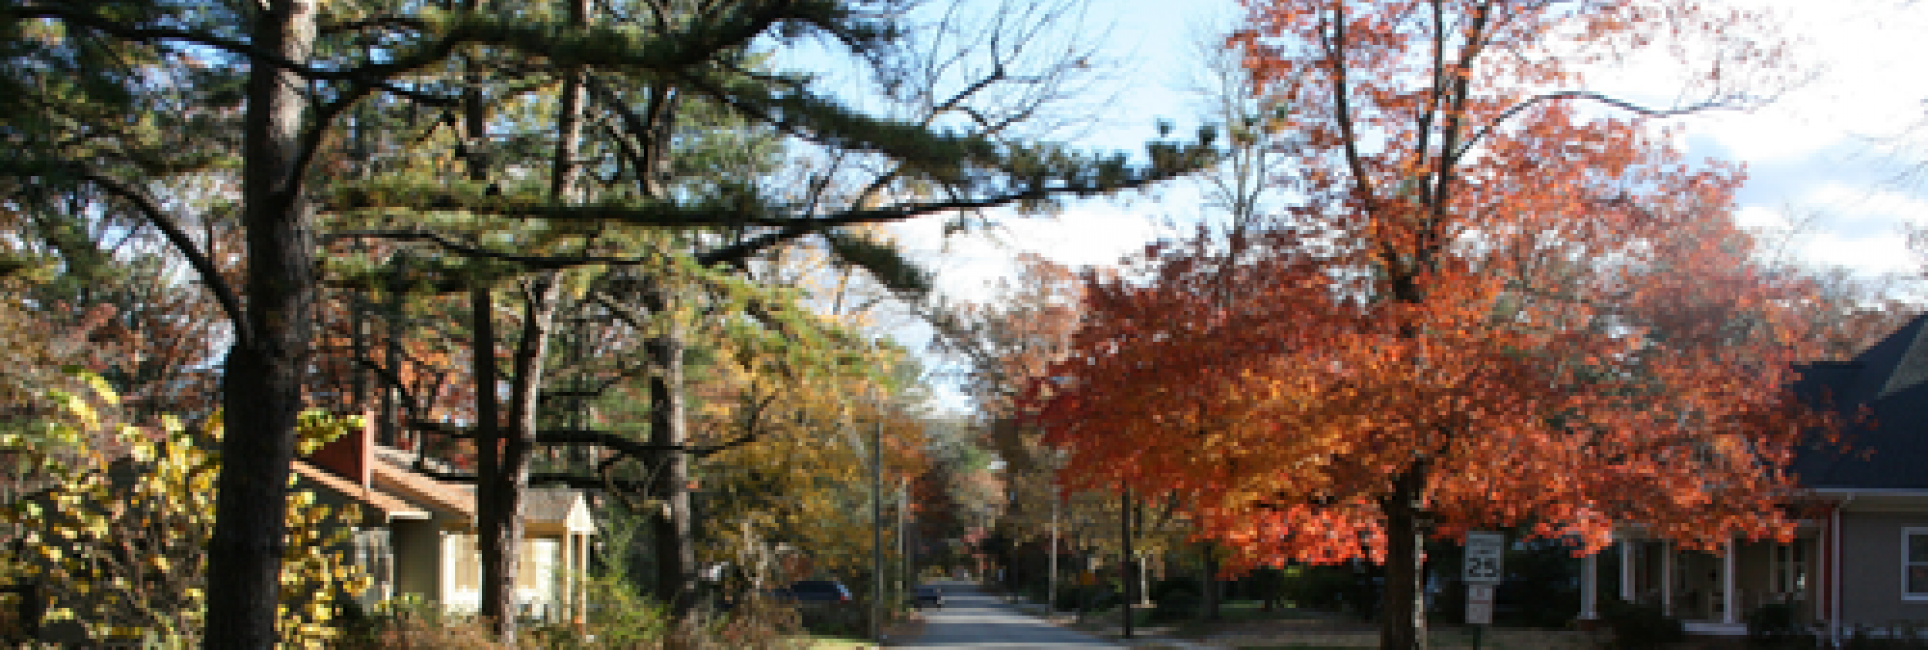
{"x":972,"y":619}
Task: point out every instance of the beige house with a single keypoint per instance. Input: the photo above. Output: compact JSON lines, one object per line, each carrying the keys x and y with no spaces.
{"x":417,"y":534}
{"x":1862,"y":562}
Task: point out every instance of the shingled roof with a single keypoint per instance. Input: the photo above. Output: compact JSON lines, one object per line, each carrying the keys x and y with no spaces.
{"x":454,"y":499}
{"x":385,"y":479}
{"x":386,"y":505}
{"x":1888,"y":383}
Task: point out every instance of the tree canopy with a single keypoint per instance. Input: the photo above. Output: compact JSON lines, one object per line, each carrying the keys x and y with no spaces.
{"x":1486,"y":303}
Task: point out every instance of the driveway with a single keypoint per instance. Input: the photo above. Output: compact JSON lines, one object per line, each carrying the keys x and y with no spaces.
{"x":972,"y":619}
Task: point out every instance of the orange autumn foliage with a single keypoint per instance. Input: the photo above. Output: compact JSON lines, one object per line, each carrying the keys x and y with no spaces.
{"x":1502,"y":310}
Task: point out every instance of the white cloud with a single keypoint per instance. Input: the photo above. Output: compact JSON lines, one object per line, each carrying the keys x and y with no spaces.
{"x":1867,"y":254}
{"x":1837,"y":224}
{"x":1825,"y":145}
{"x":1813,"y":147}
{"x":969,"y":265}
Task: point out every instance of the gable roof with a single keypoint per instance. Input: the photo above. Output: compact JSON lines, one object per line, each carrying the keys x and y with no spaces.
{"x":452,"y":499}
{"x":381,"y":479}
{"x":387,"y":505}
{"x":396,"y":489}
{"x":547,"y":505}
{"x":1888,"y":382}
{"x":557,"y":510}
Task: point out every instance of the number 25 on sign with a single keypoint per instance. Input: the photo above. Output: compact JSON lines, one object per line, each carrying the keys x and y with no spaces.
{"x":1484,"y":553}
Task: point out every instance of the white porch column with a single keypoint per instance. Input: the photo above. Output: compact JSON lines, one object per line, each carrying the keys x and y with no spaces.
{"x":1626,"y":570}
{"x":566,"y":584}
{"x":1667,"y":577}
{"x":1729,"y":600}
{"x":582,"y":578}
{"x":1590,"y":587}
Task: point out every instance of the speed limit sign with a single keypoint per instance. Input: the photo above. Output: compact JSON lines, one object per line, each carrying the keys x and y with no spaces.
{"x":1484,"y":552}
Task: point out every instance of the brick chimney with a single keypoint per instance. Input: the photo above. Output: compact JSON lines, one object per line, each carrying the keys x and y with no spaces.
{"x":352,"y":455}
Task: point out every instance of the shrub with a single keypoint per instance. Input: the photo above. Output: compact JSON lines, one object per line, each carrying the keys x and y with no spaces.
{"x":1176,"y":605}
{"x":1037,"y":591}
{"x":1074,"y":596}
{"x":119,"y":541}
{"x":1175,"y":583}
{"x":1540,"y":589}
{"x":619,"y":620}
{"x":1641,"y":626}
{"x":1087,"y":597}
{"x":842,"y":619}
{"x":1775,"y":625}
{"x":1329,"y":587}
{"x":1268,"y":585}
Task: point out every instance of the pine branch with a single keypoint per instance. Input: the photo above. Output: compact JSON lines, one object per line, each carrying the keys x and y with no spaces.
{"x":1064,"y":179}
{"x":152,"y":211}
{"x":625,"y":447}
{"x":540,"y":262}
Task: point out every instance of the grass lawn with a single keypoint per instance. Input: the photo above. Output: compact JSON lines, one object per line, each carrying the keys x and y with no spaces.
{"x":1252,"y":610}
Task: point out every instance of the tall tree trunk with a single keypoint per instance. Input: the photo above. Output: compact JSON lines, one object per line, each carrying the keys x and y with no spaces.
{"x":488,"y":447}
{"x":507,"y":478}
{"x":392,"y":416}
{"x":501,"y":521}
{"x":1402,"y":616}
{"x":674,"y":529}
{"x":261,"y":389}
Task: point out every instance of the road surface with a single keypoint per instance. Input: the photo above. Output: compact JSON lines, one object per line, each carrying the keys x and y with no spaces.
{"x":971,"y":619}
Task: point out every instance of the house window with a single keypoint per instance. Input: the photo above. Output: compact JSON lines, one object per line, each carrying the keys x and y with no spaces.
{"x":536,"y":577}
{"x":1914,"y":563}
{"x":468,"y":562}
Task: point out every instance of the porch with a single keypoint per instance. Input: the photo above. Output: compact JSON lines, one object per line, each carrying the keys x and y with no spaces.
{"x":1710,"y":593}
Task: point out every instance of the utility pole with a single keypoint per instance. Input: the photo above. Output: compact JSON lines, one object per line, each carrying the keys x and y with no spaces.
{"x":1051,"y":585}
{"x":877,"y":529}
{"x":906,"y":575}
{"x":1124,"y":572}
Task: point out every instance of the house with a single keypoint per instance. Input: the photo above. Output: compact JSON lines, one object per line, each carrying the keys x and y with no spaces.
{"x":417,"y":533}
{"x":1861,"y":561}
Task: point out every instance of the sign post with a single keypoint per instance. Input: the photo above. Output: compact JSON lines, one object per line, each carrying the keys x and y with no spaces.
{"x":1485,"y":555}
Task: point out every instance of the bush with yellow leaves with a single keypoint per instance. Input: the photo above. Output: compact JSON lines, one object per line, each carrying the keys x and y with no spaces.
{"x":118,"y":543}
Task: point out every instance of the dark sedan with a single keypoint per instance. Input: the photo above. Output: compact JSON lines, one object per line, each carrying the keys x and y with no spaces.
{"x":813,"y":592}
{"x":928,"y":596}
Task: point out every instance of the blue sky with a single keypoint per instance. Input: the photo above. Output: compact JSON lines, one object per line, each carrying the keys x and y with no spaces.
{"x":1830,"y":155}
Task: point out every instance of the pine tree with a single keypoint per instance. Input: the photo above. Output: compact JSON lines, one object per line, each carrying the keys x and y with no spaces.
{"x":309,"y":64}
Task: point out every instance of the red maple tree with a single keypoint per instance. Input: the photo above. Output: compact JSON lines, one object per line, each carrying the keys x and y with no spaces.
{"x":1487,"y":306}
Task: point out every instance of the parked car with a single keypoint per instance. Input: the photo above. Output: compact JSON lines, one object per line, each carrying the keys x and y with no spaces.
{"x":813,"y":592}
{"x":929,"y":596}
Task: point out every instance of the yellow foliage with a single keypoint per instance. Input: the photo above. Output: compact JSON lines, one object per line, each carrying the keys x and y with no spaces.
{"x":805,"y":483}
{"x":130,"y":534}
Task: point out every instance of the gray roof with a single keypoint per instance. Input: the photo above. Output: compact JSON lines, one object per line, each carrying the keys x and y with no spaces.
{"x":1883,"y":396}
{"x":547,"y":505}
